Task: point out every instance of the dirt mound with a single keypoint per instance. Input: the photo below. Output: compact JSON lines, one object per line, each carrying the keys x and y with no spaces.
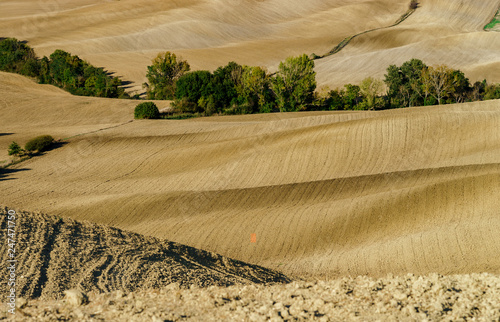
{"x":55,"y":254}
{"x":406,"y":298}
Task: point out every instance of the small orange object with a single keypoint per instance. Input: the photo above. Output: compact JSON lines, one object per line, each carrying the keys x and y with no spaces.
{"x":253,"y":238}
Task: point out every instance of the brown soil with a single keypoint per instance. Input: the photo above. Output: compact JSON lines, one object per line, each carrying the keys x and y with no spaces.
{"x":474,"y":297}
{"x":55,"y":254}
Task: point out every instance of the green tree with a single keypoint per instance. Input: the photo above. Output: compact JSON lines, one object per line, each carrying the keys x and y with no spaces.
{"x":162,"y":75}
{"x":78,"y":76}
{"x":405,"y":83}
{"x":255,"y":89}
{"x":44,"y":76}
{"x":370,"y":88}
{"x":224,"y":83}
{"x":336,"y":99}
{"x":208,"y":105}
{"x":65,"y":68}
{"x":352,"y":96}
{"x":17,"y":57}
{"x":461,"y":86}
{"x":440,"y":81}
{"x":295,"y":83}
{"x":492,"y":92}
{"x":15,"y":149}
{"x":477,"y":91}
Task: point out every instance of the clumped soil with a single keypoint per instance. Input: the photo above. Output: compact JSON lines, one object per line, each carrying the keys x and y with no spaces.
{"x":407,"y":298}
{"x":55,"y":254}
{"x":112,"y":275}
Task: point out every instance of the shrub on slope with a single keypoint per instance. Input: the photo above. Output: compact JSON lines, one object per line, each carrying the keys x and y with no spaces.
{"x":146,"y":110}
{"x":39,"y":144}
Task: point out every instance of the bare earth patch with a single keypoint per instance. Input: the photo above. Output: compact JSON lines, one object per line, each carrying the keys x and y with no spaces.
{"x":406,"y":298}
{"x":56,"y":254}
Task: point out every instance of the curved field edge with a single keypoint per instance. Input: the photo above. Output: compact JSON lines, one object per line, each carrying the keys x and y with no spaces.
{"x":347,"y":40}
{"x":495,"y":22}
{"x":55,"y":254}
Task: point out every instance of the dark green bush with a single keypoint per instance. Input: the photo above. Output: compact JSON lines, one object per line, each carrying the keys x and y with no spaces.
{"x":146,"y":110}
{"x":79,"y":77}
{"x":492,"y":92}
{"x":62,"y":69}
{"x":17,"y":57}
{"x":39,"y":144}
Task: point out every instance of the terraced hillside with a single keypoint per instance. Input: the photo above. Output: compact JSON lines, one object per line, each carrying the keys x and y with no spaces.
{"x":56,"y":254}
{"x":326,"y":194}
{"x":125,"y":35}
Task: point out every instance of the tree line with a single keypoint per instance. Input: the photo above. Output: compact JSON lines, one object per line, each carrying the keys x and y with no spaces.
{"x":237,"y":89}
{"x":232,"y":89}
{"x":61,"y":69}
{"x":416,"y":84}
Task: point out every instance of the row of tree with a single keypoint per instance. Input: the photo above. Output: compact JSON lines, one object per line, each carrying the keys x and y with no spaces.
{"x":245,"y":89}
{"x":61,"y":69}
{"x":411,"y":84}
{"x":232,"y":88}
{"x":416,"y":84}
{"x":237,"y":89}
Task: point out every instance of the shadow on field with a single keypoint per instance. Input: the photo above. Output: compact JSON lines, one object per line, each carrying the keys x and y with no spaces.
{"x":53,"y":146}
{"x":4,"y":173}
{"x":56,"y":145}
{"x":5,"y":134}
{"x":125,"y":83}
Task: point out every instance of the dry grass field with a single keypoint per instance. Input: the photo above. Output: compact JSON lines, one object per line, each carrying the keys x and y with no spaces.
{"x":314,"y":195}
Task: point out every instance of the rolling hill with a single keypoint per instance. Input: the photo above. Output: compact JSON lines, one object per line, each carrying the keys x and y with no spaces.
{"x":360,"y":209}
{"x":326,"y":194}
{"x":125,"y":35}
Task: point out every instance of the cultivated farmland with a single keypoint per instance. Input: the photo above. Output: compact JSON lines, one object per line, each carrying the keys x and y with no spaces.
{"x":342,"y":202}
